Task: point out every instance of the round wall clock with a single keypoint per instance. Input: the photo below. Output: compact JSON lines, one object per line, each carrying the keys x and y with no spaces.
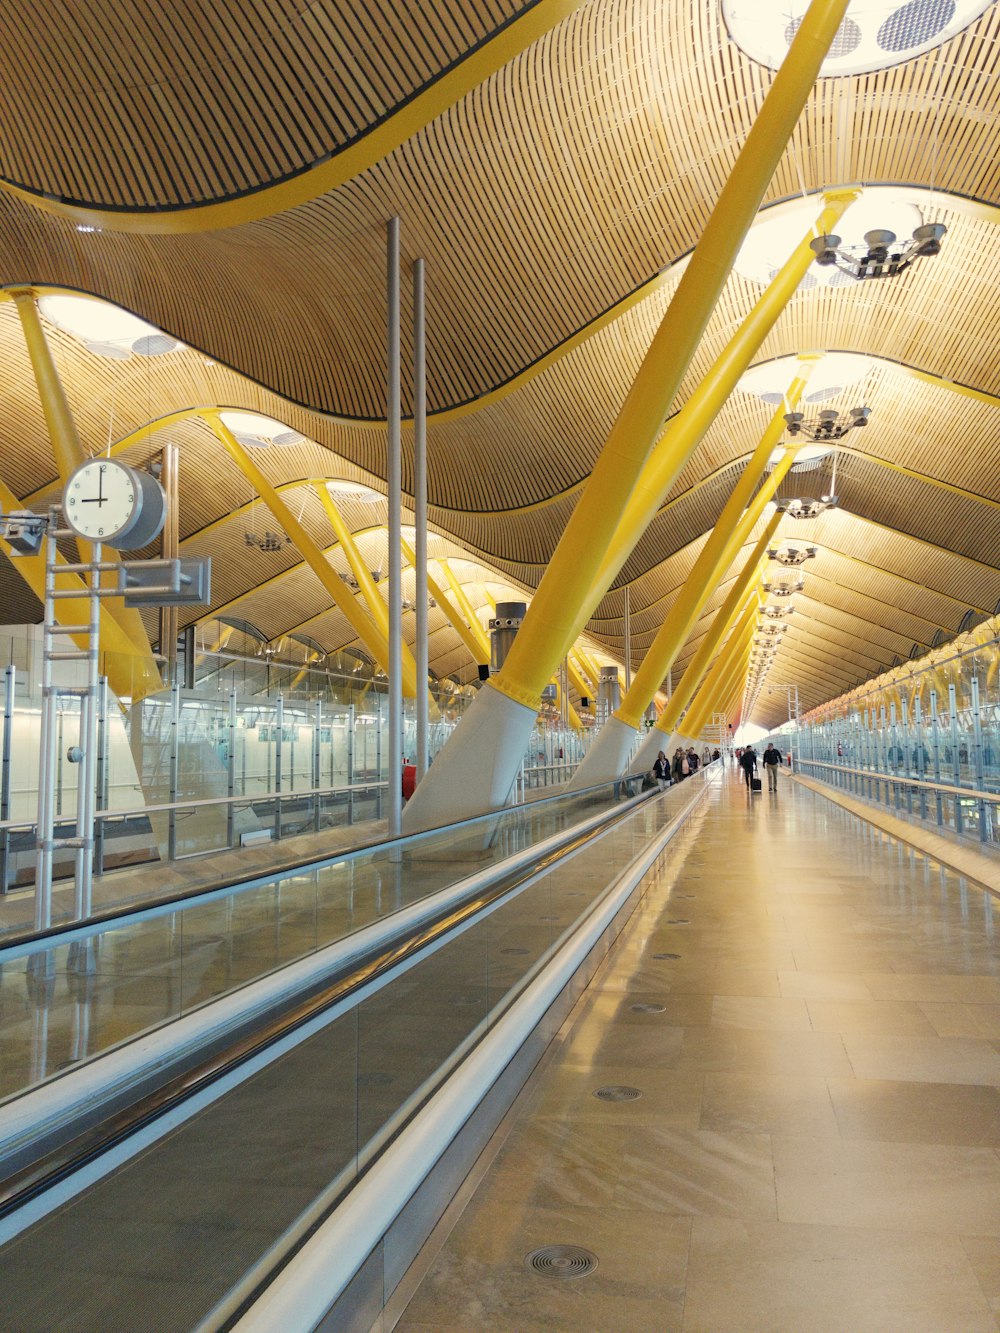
{"x":107,"y":501}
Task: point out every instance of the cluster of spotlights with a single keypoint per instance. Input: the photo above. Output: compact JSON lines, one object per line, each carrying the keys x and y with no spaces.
{"x":806,"y":506}
{"x":828,"y":426}
{"x":882,"y":255}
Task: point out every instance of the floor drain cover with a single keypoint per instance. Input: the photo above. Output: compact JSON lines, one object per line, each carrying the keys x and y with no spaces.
{"x":678,"y":921}
{"x":649,"y":1009}
{"x":514,"y":950}
{"x":617,"y":1092}
{"x":561,"y":1261}
{"x":666,"y":955}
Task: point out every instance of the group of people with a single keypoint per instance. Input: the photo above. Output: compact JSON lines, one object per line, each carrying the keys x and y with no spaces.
{"x":746,"y":757}
{"x":684,"y":764}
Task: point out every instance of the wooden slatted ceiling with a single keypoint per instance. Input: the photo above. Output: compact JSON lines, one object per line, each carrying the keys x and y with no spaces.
{"x":205,"y":99}
{"x":604,"y":175}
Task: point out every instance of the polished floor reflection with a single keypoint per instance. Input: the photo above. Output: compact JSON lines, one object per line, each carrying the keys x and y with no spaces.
{"x":816,"y":1144}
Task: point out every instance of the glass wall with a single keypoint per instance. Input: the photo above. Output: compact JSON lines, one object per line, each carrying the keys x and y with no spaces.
{"x":923,"y":738}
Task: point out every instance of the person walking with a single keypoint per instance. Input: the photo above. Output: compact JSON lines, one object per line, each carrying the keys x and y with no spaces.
{"x":748,"y":763}
{"x":771,"y":759}
{"x":661,"y":771}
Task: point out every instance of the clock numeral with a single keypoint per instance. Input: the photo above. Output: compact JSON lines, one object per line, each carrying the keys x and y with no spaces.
{"x":100,"y":532}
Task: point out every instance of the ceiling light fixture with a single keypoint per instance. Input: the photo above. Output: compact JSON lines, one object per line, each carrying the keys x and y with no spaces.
{"x":806,"y":506}
{"x":791,"y":556}
{"x":783,"y":587}
{"x":882,"y":255}
{"x":828,"y":425}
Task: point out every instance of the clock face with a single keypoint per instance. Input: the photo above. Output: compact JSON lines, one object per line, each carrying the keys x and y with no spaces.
{"x":100,"y":499}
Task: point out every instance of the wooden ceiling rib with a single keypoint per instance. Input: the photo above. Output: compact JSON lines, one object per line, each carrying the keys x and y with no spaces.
{"x":554,"y":203}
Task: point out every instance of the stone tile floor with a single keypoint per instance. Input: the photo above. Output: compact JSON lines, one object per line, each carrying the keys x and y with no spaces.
{"x":817,"y":1147}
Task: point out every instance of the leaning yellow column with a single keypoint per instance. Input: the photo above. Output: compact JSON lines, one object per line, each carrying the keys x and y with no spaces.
{"x":69,"y":453}
{"x":480,"y":651}
{"x":476,"y":769}
{"x":610,"y":751}
{"x":732,"y":610}
{"x":722,"y":670}
{"x":345,"y":601}
{"x":729,"y":669}
{"x":362,"y":574}
{"x":466,"y":608}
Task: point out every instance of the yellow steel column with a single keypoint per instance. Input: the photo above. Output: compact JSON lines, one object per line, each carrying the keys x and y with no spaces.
{"x":738,"y":604}
{"x":565,"y":596}
{"x":688,"y":427}
{"x":729,"y":666}
{"x":466,"y":608}
{"x":345,"y":601}
{"x":69,"y":453}
{"x":476,"y":769}
{"x":362,"y":574}
{"x":480,"y":653}
{"x":714,"y":558}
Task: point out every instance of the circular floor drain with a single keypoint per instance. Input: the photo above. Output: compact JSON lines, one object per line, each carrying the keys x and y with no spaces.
{"x":666,"y":955}
{"x":617,"y":1092}
{"x":649,"y":1009}
{"x":561,"y":1261}
{"x":514,"y":950}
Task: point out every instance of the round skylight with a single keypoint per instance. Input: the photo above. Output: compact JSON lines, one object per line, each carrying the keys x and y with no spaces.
{"x":834,"y":373}
{"x":808,"y":457}
{"x":873,"y":35}
{"x":257,"y":431}
{"x":107,"y":330}
{"x":354,"y":491}
{"x":776,"y":233}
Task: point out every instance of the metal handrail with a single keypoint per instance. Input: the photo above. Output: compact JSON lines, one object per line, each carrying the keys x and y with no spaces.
{"x":973,"y":793}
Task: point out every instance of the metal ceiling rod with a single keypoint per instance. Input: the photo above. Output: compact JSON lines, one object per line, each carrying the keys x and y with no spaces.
{"x":420,"y":510}
{"x":395,"y":663}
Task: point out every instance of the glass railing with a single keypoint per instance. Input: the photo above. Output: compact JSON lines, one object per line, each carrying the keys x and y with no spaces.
{"x":150,"y":967}
{"x":246,"y":1177}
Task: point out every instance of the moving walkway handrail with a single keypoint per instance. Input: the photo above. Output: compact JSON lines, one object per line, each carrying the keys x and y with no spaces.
{"x":32,"y":1122}
{"x":68,"y":932}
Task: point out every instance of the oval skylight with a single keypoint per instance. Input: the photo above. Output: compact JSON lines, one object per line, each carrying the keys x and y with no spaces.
{"x":354,"y":491}
{"x":776,"y":233}
{"x":106,"y":329}
{"x":808,"y":457}
{"x":873,"y":35}
{"x":258,"y":431}
{"x":834,"y":373}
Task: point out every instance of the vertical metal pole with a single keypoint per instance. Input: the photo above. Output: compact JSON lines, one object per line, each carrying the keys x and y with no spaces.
{"x":169,"y":548}
{"x":10,"y":678}
{"x":395,"y":663}
{"x":189,"y":663}
{"x":175,"y":734}
{"x":279,"y":726}
{"x":103,"y":776}
{"x":317,"y":776}
{"x":421,"y":652}
{"x":956,"y":762}
{"x":350,"y":764}
{"x":231,"y":773}
{"x":46,"y":749}
{"x":628,"y":639}
{"x":977,"y":731}
{"x":86,"y":783}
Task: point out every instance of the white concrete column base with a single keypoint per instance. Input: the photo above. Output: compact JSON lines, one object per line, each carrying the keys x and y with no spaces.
{"x":606,"y":759}
{"x":476,"y":769}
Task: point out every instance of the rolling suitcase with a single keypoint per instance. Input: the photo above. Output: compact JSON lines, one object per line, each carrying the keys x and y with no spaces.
{"x":755,"y":784}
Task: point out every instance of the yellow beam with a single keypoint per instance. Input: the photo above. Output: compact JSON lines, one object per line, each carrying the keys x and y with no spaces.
{"x":344,"y":599}
{"x":720,"y":671}
{"x":560,"y":606}
{"x":69,"y":452}
{"x":730,"y":611}
{"x":467,"y":609}
{"x":362,"y":574}
{"x":471,"y":641}
{"x":730,"y":531}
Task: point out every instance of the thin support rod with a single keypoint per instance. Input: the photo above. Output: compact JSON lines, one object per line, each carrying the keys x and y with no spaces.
{"x":628,"y":639}
{"x":420,"y":592}
{"x":395,"y":662}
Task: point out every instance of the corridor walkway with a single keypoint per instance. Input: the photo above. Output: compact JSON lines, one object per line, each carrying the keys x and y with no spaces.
{"x":812,"y":1016}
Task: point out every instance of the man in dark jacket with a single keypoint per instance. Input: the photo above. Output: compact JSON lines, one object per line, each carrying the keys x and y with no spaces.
{"x":748,"y":763}
{"x":772,"y":758}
